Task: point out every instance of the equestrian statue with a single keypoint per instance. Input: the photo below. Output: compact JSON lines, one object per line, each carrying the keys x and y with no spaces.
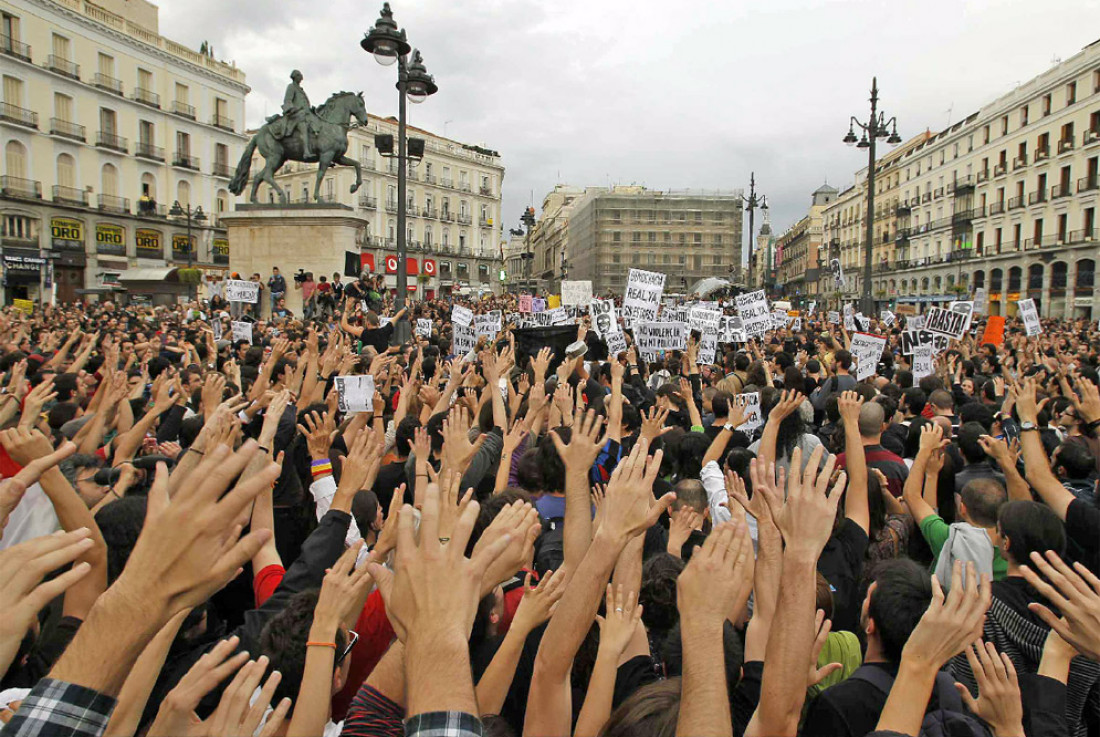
{"x":303,"y":133}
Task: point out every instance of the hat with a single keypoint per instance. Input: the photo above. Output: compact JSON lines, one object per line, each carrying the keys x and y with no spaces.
{"x":72,"y":427}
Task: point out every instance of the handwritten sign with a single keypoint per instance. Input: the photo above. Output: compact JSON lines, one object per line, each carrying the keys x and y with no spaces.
{"x":488,"y":324}
{"x":538,"y":304}
{"x":355,"y":394}
{"x":616,"y":343}
{"x":424,"y":328}
{"x":654,"y":337}
{"x":994,"y":331}
{"x":834,"y":317}
{"x":576,"y":292}
{"x":867,"y":351}
{"x":849,"y":318}
{"x":463,"y":316}
{"x":525,"y":303}
{"x":922,"y":361}
{"x":753,"y":310}
{"x":1030,"y":316}
{"x":946,"y":322}
{"x":237,"y":290}
{"x":603,"y":316}
{"x":888,"y":318}
{"x":643,"y":296}
{"x":26,"y":306}
{"x":750,"y":405}
{"x":463,"y":340}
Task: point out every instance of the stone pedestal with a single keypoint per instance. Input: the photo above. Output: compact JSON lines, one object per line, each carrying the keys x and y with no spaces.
{"x":313,"y":237}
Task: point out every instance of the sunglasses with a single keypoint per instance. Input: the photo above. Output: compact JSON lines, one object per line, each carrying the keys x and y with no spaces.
{"x":353,"y":637}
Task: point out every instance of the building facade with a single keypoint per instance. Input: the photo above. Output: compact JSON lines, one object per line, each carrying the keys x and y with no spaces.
{"x":798,"y":250}
{"x":453,"y":224}
{"x":105,"y":124}
{"x":765,"y":257}
{"x":550,"y":238}
{"x":686,"y":235}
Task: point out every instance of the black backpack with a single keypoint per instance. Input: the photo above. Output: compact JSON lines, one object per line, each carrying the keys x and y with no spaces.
{"x":951,"y":719}
{"x":550,"y":546}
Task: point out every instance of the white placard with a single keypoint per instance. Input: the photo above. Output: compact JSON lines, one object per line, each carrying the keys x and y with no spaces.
{"x":867,"y":350}
{"x":424,"y":327}
{"x":488,"y":324}
{"x":750,"y":405}
{"x":1030,"y":316}
{"x":654,"y":337}
{"x":576,"y":293}
{"x":834,"y":317}
{"x":463,"y":340}
{"x":979,"y":301}
{"x":811,"y":306}
{"x":780,"y":319}
{"x":558,"y":316}
{"x":237,"y":290}
{"x":862,"y":323}
{"x":242,"y":331}
{"x":701,"y":318}
{"x":216,"y":327}
{"x":796,"y":325}
{"x":354,"y":393}
{"x":603,"y":317}
{"x":753,"y":310}
{"x":463,"y":316}
{"x":643,"y":296}
{"x":914,"y":322}
{"x":849,"y":318}
{"x":922,"y":361}
{"x":946,"y":322}
{"x":963,"y":308}
{"x":838,"y":274}
{"x":887,"y":318}
{"x":616,"y":343}
{"x":731,"y":329}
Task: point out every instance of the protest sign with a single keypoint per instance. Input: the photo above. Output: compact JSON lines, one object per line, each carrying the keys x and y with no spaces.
{"x":538,"y":304}
{"x":916,"y":322}
{"x":462,"y":315}
{"x":811,"y":306}
{"x":354,"y":394}
{"x":424,"y":328}
{"x":946,"y":322}
{"x":616,"y":343}
{"x":576,"y":292}
{"x":654,"y":337}
{"x":1030,"y":316}
{"x":838,"y":274}
{"x":525,"y":303}
{"x":922,"y":361}
{"x":216,"y":328}
{"x":26,"y":306}
{"x":912,"y":338}
{"x":603,"y":316}
{"x":700,"y":318}
{"x":642,"y":296}
{"x":237,"y":290}
{"x":963,"y":308}
{"x":463,"y":340}
{"x":887,"y":318}
{"x":849,"y":318}
{"x":780,"y":318}
{"x":750,"y":405}
{"x":553,"y":302}
{"x":979,"y":301}
{"x":242,"y":331}
{"x":708,"y":346}
{"x":834,"y":318}
{"x":558,"y":316}
{"x":753,"y":310}
{"x":674,"y":314}
{"x":994,"y":331}
{"x":488,"y":324}
{"x":730,"y":329}
{"x":862,"y":323}
{"x":796,"y":326}
{"x":867,"y":351}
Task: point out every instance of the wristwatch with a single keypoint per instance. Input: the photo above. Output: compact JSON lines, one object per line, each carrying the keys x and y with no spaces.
{"x":1026,"y":426}
{"x":728,"y":427}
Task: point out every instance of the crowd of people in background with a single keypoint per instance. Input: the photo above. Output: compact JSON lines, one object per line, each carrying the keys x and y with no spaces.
{"x":200,"y":537}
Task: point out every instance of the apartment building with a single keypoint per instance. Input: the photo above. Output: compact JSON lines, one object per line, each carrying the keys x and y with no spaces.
{"x":453,"y":223}
{"x":1005,"y":200}
{"x":106,"y":124}
{"x":550,"y":238}
{"x":798,"y":250}
{"x":685,"y":234}
{"x":764,"y":257}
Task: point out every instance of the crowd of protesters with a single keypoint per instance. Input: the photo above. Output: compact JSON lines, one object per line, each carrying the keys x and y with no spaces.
{"x":525,"y":539}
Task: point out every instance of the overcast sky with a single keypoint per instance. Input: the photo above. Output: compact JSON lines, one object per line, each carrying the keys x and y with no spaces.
{"x":665,"y":94}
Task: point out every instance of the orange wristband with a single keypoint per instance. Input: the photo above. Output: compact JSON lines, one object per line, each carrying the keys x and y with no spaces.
{"x":321,"y":644}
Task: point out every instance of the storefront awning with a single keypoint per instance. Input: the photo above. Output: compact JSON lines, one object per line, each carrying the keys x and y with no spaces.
{"x":147,"y":274}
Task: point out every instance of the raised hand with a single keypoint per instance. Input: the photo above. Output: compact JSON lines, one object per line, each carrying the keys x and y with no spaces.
{"x":683,"y":522}
{"x":320,"y":431}
{"x":998,"y":702}
{"x":585,"y":443}
{"x":849,"y":404}
{"x":539,"y":602}
{"x":1075,"y":592}
{"x":718,"y":579}
{"x":629,"y":507}
{"x":622,"y":616}
{"x":805,"y":517}
{"x":950,"y":623}
{"x":653,"y":424}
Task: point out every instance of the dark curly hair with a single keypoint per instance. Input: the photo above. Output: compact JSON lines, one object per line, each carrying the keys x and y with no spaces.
{"x":283,"y":641}
{"x":658,"y":594}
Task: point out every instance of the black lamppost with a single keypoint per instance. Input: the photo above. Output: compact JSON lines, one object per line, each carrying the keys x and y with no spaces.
{"x":751,"y":203}
{"x":389,"y":45}
{"x":196,"y":216}
{"x":528,"y":220}
{"x":876,"y":127}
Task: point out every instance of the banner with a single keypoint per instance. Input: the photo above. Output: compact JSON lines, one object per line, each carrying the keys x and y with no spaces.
{"x":603,"y":317}
{"x":149,"y":244}
{"x":1030,"y":316}
{"x":947,"y":322}
{"x":753,"y":310}
{"x":576,"y":292}
{"x":654,"y":337}
{"x":994,"y":331}
{"x":867,"y":351}
{"x":110,"y":239}
{"x":424,"y":327}
{"x":750,"y":405}
{"x":463,"y":339}
{"x":887,"y":318}
{"x":643,"y":296}
{"x":241,"y":291}
{"x":354,"y":394}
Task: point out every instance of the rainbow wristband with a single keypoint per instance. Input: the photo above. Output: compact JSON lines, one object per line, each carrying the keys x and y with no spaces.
{"x":320,"y":468}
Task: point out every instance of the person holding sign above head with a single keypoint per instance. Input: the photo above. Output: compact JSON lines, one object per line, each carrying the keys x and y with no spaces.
{"x":372,"y":332}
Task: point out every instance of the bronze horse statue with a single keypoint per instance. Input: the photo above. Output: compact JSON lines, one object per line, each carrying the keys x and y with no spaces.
{"x":330,"y":144}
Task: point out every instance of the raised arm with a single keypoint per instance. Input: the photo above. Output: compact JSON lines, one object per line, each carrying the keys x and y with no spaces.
{"x":789,"y":402}
{"x":578,"y":457}
{"x":931,"y":442}
{"x":855,"y":461}
{"x":1036,"y":463}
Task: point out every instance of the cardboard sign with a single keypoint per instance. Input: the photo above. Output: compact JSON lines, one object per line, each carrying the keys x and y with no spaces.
{"x":1030,"y":316}
{"x":576,"y":292}
{"x":603,"y":317}
{"x":946,"y":322}
{"x":616,"y":343}
{"x":750,"y":405}
{"x":355,"y":394}
{"x":488,"y":324}
{"x":905,"y":309}
{"x":463,"y":340}
{"x":922,"y":361}
{"x":834,"y":318}
{"x":888,"y":318}
{"x":654,"y":337}
{"x":916,"y":322}
{"x":525,"y":303}
{"x":26,"y":306}
{"x":558,"y":316}
{"x":463,"y":316}
{"x":849,"y":318}
{"x":553,"y":302}
{"x":963,"y":308}
{"x":867,"y":351}
{"x":753,"y":310}
{"x":700,"y":318}
{"x":780,"y":318}
{"x":237,"y":290}
{"x":796,"y":326}
{"x":910,"y":339}
{"x":994,"y":331}
{"x":979,"y":301}
{"x":242,"y":331}
{"x":424,"y":327}
{"x":643,"y":296}
{"x":862,"y":323}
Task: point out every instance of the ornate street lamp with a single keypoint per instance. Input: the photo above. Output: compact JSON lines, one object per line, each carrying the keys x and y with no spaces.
{"x":196,"y":216}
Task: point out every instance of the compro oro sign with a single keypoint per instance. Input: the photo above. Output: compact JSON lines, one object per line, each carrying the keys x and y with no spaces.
{"x":67,"y":234}
{"x":110,"y":239}
{"x":149,"y":243}
{"x":181,"y":245}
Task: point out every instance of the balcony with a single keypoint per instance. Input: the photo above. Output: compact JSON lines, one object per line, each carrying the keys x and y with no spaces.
{"x":1019,"y":162}
{"x":464,"y":219}
{"x":391,"y":208}
{"x":485,"y":222}
{"x":486,"y":191}
{"x":220,"y":121}
{"x":1090,"y":137}
{"x":963,"y":185}
{"x":367,"y":202}
{"x":1081,"y":236}
{"x":63,"y":66}
{"x":107,"y":82}
{"x":964,"y":216}
{"x":110,"y":203}
{"x":412,"y":210}
{"x":183,"y":109}
{"x":902,"y":236}
{"x":412,"y":176}
{"x":926,"y":197}
{"x":11,"y":47}
{"x":107,"y":139}
{"x":146,"y":97}
{"x":937,"y":193}
{"x":20,"y":189}
{"x":222,"y":169}
{"x":186,"y":160}
{"x":447,"y":182}
{"x":367,"y":164}
{"x":983,"y":175}
{"x":1042,"y":153}
{"x":149,"y":209}
{"x":464,"y":187}
{"x":1060,"y":190}
{"x":997,"y":208}
{"x":1000,"y":169}
{"x":18,"y":115}
{"x":64,"y":128}
{"x":430,"y":212}
{"x":146,"y":150}
{"x":447,"y":216}
{"x":1064,"y":145}
{"x":70,"y":195}
{"x":1087,"y":184}
{"x":1031,"y":244}
{"x":1016,"y":202}
{"x":903,"y":208}
{"x":430,"y":179}
{"x":1035,"y":198}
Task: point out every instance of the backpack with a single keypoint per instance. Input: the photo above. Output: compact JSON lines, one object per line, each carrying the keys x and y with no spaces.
{"x":951,"y":719}
{"x":550,"y":546}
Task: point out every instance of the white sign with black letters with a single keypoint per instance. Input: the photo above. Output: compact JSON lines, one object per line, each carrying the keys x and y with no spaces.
{"x":750,"y":405}
{"x":753,"y":310}
{"x":643,"y":296}
{"x":237,"y":290}
{"x":867,"y":351}
{"x":354,"y":393}
{"x":654,"y":337}
{"x":603,"y":316}
{"x":463,"y":316}
{"x":946,"y":322}
{"x":1030,"y":316}
{"x":576,"y":292}
{"x":242,"y":331}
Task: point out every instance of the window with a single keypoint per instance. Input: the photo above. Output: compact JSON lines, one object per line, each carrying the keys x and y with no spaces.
{"x":221,"y":155}
{"x":223,"y":200}
{"x":145,"y":133}
{"x":616,"y":258}
{"x":109,"y":185}
{"x":636,"y":237}
{"x":1071,"y":93}
{"x":985,"y":136}
{"x":61,"y":47}
{"x":9,"y":26}
{"x":697,"y":238}
{"x":461,"y":242}
{"x":183,"y":94}
{"x":1046,"y":105}
{"x":108,"y":121}
{"x":183,"y":143}
{"x":717,"y":240}
{"x":106,"y":65}
{"x":1004,"y":125}
{"x":616,"y":236}
{"x":183,"y":193}
{"x":15,"y":160}
{"x":221,"y":110}
{"x":149,"y":185}
{"x":446,"y":237}
{"x":145,"y":80}
{"x":652,"y":236}
{"x":62,"y":107}
{"x":13,"y":91}
{"x":1023,"y":115}
{"x":66,"y":171}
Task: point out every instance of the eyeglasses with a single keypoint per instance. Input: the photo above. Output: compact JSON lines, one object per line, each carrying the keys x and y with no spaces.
{"x":353,"y":637}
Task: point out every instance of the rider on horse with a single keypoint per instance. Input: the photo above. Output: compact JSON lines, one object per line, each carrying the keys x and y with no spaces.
{"x":297,"y":112}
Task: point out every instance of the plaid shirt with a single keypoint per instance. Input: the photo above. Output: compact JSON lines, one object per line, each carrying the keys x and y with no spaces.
{"x":61,"y":709}
{"x":444,"y":724}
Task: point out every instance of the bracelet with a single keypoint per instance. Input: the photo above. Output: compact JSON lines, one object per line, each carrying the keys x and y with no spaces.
{"x":196,"y":452}
{"x":1091,"y":426}
{"x":265,"y":450}
{"x":311,"y":643}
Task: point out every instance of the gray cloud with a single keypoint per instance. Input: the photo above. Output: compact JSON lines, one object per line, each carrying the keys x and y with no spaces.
{"x":689,"y":94}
